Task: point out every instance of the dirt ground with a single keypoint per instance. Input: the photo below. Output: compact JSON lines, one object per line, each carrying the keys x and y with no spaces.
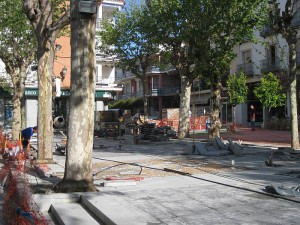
{"x":157,"y":168}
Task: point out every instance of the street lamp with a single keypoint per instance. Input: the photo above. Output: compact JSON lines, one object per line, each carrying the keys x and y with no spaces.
{"x":63,"y":73}
{"x":89,"y":7}
{"x":58,"y":47}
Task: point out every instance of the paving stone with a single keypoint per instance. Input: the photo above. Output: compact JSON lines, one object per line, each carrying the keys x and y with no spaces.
{"x":72,"y":213}
{"x":235,"y":148}
{"x":220,"y":143}
{"x":200,"y":148}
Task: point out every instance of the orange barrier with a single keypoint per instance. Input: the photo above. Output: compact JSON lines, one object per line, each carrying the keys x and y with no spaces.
{"x":196,"y":123}
{"x":18,"y":204}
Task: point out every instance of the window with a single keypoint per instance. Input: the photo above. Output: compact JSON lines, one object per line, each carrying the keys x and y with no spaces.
{"x":271,"y":54}
{"x":246,"y":57}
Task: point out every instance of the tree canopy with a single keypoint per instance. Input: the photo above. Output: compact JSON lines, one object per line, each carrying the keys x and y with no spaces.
{"x":269,"y":91}
{"x":237,"y":88}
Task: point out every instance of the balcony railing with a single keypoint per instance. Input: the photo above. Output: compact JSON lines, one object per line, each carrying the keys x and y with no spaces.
{"x":98,"y":23}
{"x":119,"y":2}
{"x":271,"y":65}
{"x":163,"y":91}
{"x":246,"y":68}
{"x":124,"y":75}
{"x":156,"y":69}
{"x":138,"y":94}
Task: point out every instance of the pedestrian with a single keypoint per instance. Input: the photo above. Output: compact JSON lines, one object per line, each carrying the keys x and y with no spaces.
{"x":252,"y":117}
{"x":138,"y":118}
{"x":28,"y":132}
{"x":207,"y":123}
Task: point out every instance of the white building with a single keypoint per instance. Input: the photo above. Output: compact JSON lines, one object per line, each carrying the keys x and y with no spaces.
{"x":105,"y":64}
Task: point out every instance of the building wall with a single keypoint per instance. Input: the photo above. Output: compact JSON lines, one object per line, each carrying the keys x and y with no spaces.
{"x":31,"y":107}
{"x":1,"y":111}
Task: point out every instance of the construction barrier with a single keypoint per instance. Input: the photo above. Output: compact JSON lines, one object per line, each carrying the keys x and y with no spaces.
{"x":196,"y":123}
{"x":18,"y":205}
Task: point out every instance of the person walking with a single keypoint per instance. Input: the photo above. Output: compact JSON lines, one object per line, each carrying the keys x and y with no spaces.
{"x":252,"y":117}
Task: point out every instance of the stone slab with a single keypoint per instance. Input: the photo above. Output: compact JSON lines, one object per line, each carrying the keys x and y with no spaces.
{"x":115,"y":209}
{"x":200,"y":148}
{"x":72,"y":214}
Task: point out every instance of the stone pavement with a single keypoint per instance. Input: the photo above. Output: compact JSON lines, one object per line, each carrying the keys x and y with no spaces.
{"x":234,"y":196}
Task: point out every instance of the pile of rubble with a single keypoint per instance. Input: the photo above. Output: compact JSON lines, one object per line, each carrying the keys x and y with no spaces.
{"x":217,"y":147}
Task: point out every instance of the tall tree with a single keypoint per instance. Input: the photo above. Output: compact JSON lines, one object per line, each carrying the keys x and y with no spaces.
{"x":132,"y":38}
{"x":282,"y":23}
{"x":237,"y":90}
{"x":204,"y":32}
{"x":47,"y":18}
{"x":78,"y":175}
{"x":17,"y":51}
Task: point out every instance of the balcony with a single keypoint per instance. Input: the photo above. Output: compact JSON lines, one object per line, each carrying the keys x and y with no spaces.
{"x":123,"y":76}
{"x":271,"y":65}
{"x":164,"y":91}
{"x":266,"y":31}
{"x":115,"y":2}
{"x":98,"y":23}
{"x":138,"y":94}
{"x":246,"y":68}
{"x":157,"y":69}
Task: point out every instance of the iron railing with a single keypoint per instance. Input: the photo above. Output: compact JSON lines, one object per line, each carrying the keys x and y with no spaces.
{"x":246,"y":68}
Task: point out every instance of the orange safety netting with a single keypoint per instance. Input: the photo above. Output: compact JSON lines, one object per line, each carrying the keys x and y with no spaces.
{"x":18,"y":206}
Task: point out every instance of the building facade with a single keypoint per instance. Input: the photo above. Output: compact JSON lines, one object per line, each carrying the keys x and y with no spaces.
{"x":105,"y":89}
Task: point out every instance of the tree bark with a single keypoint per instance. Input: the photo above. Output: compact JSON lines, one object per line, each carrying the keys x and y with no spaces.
{"x":16,"y":123}
{"x":183,"y":128}
{"x":81,"y":117}
{"x":45,"y":121}
{"x":293,"y":95}
{"x":40,"y":14}
{"x":216,"y":124}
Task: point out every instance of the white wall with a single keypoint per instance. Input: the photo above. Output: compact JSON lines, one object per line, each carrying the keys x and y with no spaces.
{"x":31,"y":107}
{"x":241,"y":114}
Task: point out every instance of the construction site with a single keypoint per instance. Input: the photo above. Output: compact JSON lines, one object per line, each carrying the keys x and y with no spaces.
{"x":241,"y":178}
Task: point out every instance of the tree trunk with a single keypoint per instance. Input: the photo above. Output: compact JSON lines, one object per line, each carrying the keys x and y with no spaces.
{"x":45,"y":121}
{"x":216,"y":125}
{"x":16,"y":123}
{"x":293,"y":96}
{"x":78,"y":166}
{"x":145,"y":106}
{"x":183,"y":129}
{"x":294,"y":117}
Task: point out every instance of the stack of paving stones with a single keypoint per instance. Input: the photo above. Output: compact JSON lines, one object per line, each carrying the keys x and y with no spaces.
{"x":147,"y":131}
{"x":216,"y":147}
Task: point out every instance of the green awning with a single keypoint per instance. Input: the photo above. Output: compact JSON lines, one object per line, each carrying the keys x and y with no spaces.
{"x":98,"y":94}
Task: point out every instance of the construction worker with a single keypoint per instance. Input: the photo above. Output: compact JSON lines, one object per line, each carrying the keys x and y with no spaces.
{"x":137,"y":119}
{"x":27,"y":134}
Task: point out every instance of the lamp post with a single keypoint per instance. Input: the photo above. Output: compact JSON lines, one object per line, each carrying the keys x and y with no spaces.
{"x":63,"y":73}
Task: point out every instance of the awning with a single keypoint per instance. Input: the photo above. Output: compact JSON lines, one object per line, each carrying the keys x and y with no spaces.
{"x":65,"y":93}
